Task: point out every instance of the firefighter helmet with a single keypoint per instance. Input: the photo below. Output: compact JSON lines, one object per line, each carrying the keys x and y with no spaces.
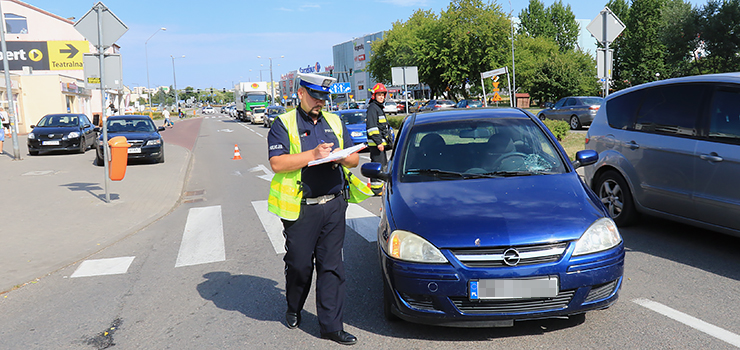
{"x":379,"y":87}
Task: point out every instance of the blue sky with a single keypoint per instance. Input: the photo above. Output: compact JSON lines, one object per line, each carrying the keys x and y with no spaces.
{"x":222,"y":39}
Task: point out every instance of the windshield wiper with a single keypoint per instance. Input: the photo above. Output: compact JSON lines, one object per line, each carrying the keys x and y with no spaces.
{"x":515,"y":173}
{"x":435,"y":172}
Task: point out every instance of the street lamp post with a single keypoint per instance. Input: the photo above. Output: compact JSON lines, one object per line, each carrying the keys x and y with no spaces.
{"x":272,"y":83}
{"x":146,"y":55}
{"x":174,"y":79}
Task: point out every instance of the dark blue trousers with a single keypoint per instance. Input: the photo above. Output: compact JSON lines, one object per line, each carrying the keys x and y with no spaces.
{"x":317,"y":237}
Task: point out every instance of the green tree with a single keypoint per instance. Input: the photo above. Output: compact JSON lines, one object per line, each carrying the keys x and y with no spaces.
{"x":620,"y":77}
{"x":643,"y":52}
{"x":530,"y":54}
{"x":556,"y":21}
{"x":719,"y":30}
{"x":535,"y":20}
{"x":565,"y":74}
{"x":678,"y":35}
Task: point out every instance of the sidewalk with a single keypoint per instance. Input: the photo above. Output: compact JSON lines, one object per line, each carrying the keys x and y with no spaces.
{"x":53,"y":211}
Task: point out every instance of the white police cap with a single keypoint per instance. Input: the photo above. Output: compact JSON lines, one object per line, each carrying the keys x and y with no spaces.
{"x":316,"y":85}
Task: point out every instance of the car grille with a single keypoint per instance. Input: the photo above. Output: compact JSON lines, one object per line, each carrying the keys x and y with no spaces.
{"x":601,"y":291}
{"x":53,"y":136}
{"x":494,"y":257}
{"x":421,"y":302}
{"x":467,"y":306}
{"x":135,"y":143}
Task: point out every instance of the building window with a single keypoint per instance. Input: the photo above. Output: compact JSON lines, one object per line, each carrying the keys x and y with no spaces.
{"x":16,"y":24}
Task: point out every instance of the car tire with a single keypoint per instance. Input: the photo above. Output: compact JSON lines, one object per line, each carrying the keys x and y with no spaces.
{"x":83,"y":145}
{"x":541,"y":116}
{"x":615,"y":194}
{"x":575,"y":123}
{"x":98,"y":161}
{"x":388,"y":303}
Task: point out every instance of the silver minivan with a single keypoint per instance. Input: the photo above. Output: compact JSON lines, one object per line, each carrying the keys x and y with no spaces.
{"x":670,"y":149}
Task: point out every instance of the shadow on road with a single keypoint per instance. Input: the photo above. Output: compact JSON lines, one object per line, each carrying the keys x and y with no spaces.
{"x":89,"y":188}
{"x":255,"y":297}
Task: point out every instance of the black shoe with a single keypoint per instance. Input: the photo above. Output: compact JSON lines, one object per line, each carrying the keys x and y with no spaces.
{"x":341,"y":337}
{"x":293,"y":319}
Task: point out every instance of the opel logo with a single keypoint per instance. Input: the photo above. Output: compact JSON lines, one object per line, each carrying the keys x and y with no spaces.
{"x":511,"y":257}
{"x":51,"y":135}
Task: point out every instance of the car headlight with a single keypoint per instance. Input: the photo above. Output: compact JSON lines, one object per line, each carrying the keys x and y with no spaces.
{"x":31,"y":136}
{"x":404,"y":245}
{"x":71,"y":135}
{"x":356,"y":134}
{"x":154,"y":142}
{"x":601,"y":235}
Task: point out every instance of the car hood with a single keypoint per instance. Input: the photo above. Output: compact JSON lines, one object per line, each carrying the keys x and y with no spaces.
{"x":500,"y":212}
{"x":45,"y":130}
{"x":356,"y":127}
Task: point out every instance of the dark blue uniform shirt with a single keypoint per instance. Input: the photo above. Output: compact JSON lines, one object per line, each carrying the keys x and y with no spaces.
{"x":318,"y":180}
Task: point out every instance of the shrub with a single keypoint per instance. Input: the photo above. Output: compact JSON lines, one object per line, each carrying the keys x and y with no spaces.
{"x":395,"y":121}
{"x":559,"y":128}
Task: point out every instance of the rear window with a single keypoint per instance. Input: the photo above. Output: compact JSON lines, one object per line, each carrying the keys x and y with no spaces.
{"x":445,"y":102}
{"x":590,"y":101}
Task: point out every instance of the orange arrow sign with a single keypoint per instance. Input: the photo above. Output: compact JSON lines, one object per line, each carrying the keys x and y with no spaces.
{"x":495,"y":84}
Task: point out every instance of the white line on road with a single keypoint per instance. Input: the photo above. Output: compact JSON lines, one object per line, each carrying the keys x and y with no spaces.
{"x":99,"y":267}
{"x":268,"y":173}
{"x":693,"y":322}
{"x":203,"y":239}
{"x":358,"y":219}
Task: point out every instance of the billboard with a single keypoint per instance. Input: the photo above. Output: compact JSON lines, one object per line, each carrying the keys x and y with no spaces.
{"x":47,"y":55}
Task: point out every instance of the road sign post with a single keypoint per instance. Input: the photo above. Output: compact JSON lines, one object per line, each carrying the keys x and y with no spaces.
{"x":606,"y":27}
{"x":102,"y":25}
{"x":493,"y":74}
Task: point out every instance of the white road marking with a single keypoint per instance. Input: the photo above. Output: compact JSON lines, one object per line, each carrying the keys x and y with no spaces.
{"x":237,"y":173}
{"x":203,"y":239}
{"x":100,"y":267}
{"x":268,"y":173}
{"x":693,"y":322}
{"x":363,"y":222}
{"x":225,"y":130}
{"x":272,"y":224}
{"x":358,"y":219}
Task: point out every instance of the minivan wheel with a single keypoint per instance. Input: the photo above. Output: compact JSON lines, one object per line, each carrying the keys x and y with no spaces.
{"x":614,"y":193}
{"x":575,"y":123}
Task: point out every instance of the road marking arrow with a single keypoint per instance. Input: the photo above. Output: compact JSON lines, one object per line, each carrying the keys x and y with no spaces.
{"x":72,"y":51}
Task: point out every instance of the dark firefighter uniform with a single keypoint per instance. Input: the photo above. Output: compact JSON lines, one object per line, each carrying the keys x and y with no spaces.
{"x":378,"y":133}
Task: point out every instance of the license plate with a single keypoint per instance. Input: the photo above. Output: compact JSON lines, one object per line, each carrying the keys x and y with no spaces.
{"x":134,"y":150}
{"x":50,"y":143}
{"x":542,"y":287}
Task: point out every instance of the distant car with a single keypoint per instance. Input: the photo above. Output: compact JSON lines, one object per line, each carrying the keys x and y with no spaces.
{"x":435,"y":105}
{"x":469,"y":104}
{"x":670,"y":149}
{"x":258,"y":113}
{"x":140,"y":132}
{"x":355,"y":120}
{"x":232,"y":111}
{"x":208,"y":110}
{"x":390,"y":107}
{"x":509,"y":234}
{"x":61,"y":132}
{"x":402,"y":106}
{"x":416,"y":106}
{"x":271,"y":114}
{"x":578,"y":111}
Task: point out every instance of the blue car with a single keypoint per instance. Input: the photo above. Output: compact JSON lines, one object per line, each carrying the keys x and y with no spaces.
{"x":140,"y":132}
{"x":355,"y":119}
{"x":486,"y":222}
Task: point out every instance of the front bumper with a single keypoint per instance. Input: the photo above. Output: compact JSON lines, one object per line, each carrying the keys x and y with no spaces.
{"x":72,"y":144}
{"x":439,"y":294}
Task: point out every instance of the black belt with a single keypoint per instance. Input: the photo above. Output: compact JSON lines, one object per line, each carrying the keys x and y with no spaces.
{"x":320,"y":199}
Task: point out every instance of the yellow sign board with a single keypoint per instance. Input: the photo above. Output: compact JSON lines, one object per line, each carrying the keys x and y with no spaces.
{"x":67,"y":54}
{"x":93,"y":80}
{"x":496,"y":97}
{"x":495,"y":84}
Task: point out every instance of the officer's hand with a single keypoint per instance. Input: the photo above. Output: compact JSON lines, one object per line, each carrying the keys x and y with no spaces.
{"x":381,"y":148}
{"x":323,"y":150}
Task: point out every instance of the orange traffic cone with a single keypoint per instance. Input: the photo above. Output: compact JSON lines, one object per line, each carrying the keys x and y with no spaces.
{"x":236,"y":153}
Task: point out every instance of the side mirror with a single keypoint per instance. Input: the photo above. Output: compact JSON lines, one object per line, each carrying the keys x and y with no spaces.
{"x":161,"y":128}
{"x":96,"y":129}
{"x":585,"y":157}
{"x":33,"y":126}
{"x":374,"y":171}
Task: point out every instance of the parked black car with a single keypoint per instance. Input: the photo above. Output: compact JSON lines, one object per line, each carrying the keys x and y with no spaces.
{"x":271,"y":114}
{"x":140,"y":132}
{"x":61,"y":132}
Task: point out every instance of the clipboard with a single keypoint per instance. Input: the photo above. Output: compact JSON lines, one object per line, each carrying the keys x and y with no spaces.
{"x":338,"y":154}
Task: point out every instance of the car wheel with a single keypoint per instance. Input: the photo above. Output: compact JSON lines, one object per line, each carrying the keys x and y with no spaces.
{"x":541,"y":116}
{"x":388,"y":303}
{"x":98,"y":161}
{"x":614,"y":193}
{"x":575,"y":123}
{"x":83,"y":145}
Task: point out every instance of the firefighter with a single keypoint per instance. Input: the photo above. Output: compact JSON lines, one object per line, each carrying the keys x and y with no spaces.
{"x":379,"y":137}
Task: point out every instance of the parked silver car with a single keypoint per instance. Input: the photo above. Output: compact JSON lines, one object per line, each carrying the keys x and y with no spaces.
{"x":578,"y":111}
{"x":670,"y":149}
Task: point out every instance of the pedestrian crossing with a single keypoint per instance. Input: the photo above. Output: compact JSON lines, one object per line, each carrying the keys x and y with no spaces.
{"x":203,"y":237}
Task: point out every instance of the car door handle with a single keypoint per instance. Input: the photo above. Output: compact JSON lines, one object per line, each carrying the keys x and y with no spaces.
{"x":632,"y":145}
{"x":712,"y":157}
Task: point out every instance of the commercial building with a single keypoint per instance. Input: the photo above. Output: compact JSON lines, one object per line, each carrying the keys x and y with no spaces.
{"x":45,"y":62}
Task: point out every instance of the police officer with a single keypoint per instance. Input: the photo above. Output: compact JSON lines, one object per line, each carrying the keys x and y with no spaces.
{"x":378,"y":132}
{"x":311,"y":204}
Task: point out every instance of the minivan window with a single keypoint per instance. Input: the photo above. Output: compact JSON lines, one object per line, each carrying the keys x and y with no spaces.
{"x":724,"y":120}
{"x":670,"y":109}
{"x":620,"y":110}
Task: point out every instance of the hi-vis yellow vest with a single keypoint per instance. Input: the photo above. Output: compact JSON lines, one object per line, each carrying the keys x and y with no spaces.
{"x":285,"y":189}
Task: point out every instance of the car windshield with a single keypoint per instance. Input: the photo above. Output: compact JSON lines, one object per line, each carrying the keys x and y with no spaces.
{"x":58,"y":120}
{"x":130,"y":125}
{"x":592,"y":100}
{"x":468,"y":149}
{"x":390,"y":103}
{"x":353,"y":118}
{"x":259,"y":110}
{"x":475,"y":103}
{"x":275,"y":111}
{"x":256,"y":98}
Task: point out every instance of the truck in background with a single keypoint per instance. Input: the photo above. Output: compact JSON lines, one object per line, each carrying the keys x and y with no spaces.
{"x":251,"y":96}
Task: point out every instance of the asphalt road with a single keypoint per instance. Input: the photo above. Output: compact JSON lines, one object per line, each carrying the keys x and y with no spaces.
{"x":680,"y":292}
